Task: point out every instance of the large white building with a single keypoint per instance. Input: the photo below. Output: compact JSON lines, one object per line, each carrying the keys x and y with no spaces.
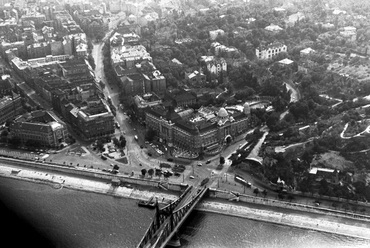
{"x":271,"y":50}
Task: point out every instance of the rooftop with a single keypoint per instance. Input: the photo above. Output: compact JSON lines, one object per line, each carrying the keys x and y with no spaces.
{"x":273,"y":27}
{"x":286,"y":61}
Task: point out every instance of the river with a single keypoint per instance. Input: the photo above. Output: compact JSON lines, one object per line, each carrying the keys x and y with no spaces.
{"x":77,"y":219}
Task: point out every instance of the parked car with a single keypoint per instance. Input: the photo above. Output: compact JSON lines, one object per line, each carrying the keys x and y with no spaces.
{"x":103,"y":157}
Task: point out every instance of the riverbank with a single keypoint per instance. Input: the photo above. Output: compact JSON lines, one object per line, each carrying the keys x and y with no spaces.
{"x":59,"y":181}
{"x":305,"y":220}
{"x":300,"y":219}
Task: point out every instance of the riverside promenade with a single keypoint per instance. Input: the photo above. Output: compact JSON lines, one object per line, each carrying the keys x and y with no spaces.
{"x":311,"y":220}
{"x":278,"y":214}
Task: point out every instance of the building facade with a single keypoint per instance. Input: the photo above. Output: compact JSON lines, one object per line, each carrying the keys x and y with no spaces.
{"x":92,"y":121}
{"x":39,"y":126}
{"x":10,"y":107}
{"x":203,"y":130}
{"x":269,"y":51}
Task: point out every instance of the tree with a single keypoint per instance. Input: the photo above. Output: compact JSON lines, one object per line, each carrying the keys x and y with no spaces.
{"x":143,"y":172}
{"x":116,"y":141}
{"x":4,"y":133}
{"x":151,"y":172}
{"x":281,"y":196}
{"x":150,"y":134}
{"x":290,"y":197}
{"x":256,"y":191}
{"x":272,"y":120}
{"x":15,"y":141}
{"x":100,"y":144}
{"x":345,"y":206}
{"x":264,"y":192}
{"x":123,"y":142}
{"x":324,"y":187}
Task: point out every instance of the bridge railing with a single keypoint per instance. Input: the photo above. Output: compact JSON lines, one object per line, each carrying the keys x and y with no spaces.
{"x":157,"y":222}
{"x":174,"y":203}
{"x":177,"y":219}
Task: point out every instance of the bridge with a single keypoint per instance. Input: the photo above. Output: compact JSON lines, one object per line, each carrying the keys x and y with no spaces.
{"x":169,"y":219}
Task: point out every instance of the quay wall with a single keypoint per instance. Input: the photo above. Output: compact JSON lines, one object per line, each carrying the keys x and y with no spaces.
{"x":226,"y":195}
{"x":98,"y":175}
{"x":301,"y":220}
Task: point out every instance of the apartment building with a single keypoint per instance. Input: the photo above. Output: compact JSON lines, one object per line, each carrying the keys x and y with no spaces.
{"x":271,"y":50}
{"x":39,"y":126}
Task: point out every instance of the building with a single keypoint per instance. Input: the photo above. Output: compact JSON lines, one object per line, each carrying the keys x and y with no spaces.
{"x":306,"y":51}
{"x":184,"y":41}
{"x":37,"y":50}
{"x":222,"y":50}
{"x":140,"y":103}
{"x":10,"y":107}
{"x":273,"y":28}
{"x":56,"y":48}
{"x":180,"y":98}
{"x":286,"y":62}
{"x":40,"y":127}
{"x":215,"y":67}
{"x":349,"y":33}
{"x":92,"y":118}
{"x":204,"y":130}
{"x":330,"y":175}
{"x":213,"y":34}
{"x":132,"y":84}
{"x":294,"y":18}
{"x":269,"y":51}
{"x":195,"y":78}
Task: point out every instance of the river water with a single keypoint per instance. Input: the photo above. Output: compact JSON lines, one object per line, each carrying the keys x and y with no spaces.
{"x":77,"y":219}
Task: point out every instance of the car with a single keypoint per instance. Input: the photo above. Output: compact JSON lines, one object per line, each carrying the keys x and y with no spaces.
{"x":141,"y":147}
{"x":149,"y":154}
{"x":177,"y":174}
{"x":146,"y":142}
{"x":208,"y":161}
{"x":169,"y":172}
{"x":191,"y":177}
{"x":103,"y":157}
{"x":170,"y":159}
{"x":199,"y":164}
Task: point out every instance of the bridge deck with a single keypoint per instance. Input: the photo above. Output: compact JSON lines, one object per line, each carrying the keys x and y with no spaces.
{"x":169,"y":219}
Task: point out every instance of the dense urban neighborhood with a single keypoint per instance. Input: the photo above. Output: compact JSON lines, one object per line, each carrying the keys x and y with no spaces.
{"x":269,"y":95}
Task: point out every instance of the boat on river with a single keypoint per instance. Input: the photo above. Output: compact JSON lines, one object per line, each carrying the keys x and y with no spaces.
{"x":148,"y":204}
